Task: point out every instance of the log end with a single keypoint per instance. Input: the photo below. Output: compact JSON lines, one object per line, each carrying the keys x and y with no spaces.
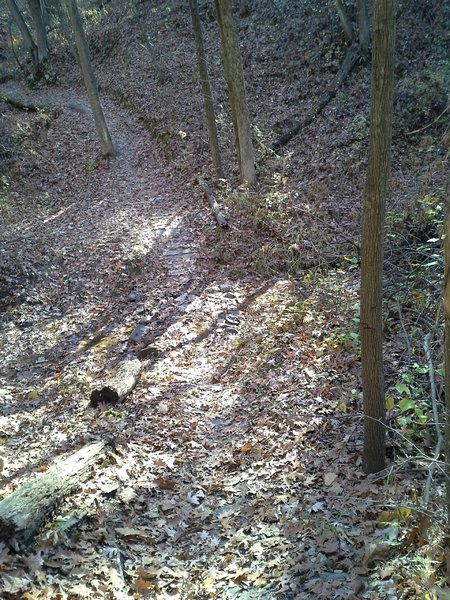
{"x":104,"y":396}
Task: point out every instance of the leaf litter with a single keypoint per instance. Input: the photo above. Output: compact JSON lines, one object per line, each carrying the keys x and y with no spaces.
{"x":235,"y":467}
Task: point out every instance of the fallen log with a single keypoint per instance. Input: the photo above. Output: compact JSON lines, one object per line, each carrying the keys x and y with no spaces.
{"x":25,"y":510}
{"x":352,"y":57}
{"x":118,"y":387}
{"x":20,"y":103}
{"x":218,"y":214}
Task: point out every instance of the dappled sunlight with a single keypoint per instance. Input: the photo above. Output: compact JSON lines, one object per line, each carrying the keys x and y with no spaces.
{"x":203,"y":334}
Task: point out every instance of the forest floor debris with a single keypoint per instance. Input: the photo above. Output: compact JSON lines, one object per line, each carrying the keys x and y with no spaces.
{"x":235,"y":471}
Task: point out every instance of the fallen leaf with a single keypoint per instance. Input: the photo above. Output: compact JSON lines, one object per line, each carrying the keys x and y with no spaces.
{"x":329,"y":478}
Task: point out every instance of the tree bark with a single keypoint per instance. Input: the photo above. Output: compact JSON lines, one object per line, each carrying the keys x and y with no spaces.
{"x":39,"y":28}
{"x":345,"y":21}
{"x":206,"y":88}
{"x":25,"y":510}
{"x":446,"y":303}
{"x":26,"y":35}
{"x":118,"y":387}
{"x":372,"y":236}
{"x":218,"y":214}
{"x":89,"y":77}
{"x":234,"y":75}
{"x":364,"y":28}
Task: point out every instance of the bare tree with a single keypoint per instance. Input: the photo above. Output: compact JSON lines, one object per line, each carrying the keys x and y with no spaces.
{"x":372,"y":236}
{"x":345,"y":21}
{"x":234,"y":74}
{"x":89,"y":77}
{"x":364,"y":27}
{"x":25,"y":32}
{"x":39,"y":28}
{"x":206,"y":88}
{"x":362,"y":33}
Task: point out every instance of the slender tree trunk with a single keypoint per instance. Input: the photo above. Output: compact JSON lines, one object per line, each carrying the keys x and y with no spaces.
{"x":26,"y":35}
{"x":446,"y":303}
{"x":345,"y":21}
{"x":364,"y":27}
{"x":89,"y":77}
{"x":206,"y":88}
{"x":234,"y":74}
{"x":39,"y":28}
{"x":372,"y":236}
{"x":45,"y":13}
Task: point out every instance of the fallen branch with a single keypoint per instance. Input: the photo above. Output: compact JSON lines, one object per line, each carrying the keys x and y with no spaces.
{"x":429,"y":124}
{"x":218,"y":214}
{"x":352,"y":57}
{"x":434,"y":403}
{"x":25,"y":510}
{"x":118,"y":387}
{"x":20,"y":103}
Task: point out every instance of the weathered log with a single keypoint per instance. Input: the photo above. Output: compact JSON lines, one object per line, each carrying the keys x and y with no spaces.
{"x":118,"y":387}
{"x":20,"y":103}
{"x":218,"y":214}
{"x":25,"y":510}
{"x":352,"y":57}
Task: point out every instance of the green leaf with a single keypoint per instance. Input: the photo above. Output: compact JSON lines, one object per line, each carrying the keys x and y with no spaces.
{"x":406,"y":404}
{"x":389,"y":403}
{"x":402,"y":389}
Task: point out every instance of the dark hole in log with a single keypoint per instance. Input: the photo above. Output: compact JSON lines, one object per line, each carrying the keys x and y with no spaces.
{"x":104,"y":396}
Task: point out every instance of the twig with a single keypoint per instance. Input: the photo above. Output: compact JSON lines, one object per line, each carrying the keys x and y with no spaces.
{"x":429,"y":124}
{"x":439,"y":437}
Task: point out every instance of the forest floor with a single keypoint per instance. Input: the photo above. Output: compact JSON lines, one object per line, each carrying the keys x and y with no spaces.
{"x":235,"y":468}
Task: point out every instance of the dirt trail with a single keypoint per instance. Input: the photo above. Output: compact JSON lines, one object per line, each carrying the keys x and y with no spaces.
{"x":219,"y":485}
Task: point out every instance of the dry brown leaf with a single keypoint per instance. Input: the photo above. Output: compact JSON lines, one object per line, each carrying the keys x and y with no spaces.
{"x":329,"y":478}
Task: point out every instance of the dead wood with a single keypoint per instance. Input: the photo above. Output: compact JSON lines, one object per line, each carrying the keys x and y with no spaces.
{"x":352,"y":57}
{"x":20,"y":103}
{"x":25,"y":510}
{"x":118,"y":387}
{"x":218,"y":214}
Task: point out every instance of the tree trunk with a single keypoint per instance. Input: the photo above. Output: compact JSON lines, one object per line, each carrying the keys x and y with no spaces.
{"x":26,"y":35}
{"x":345,"y":21}
{"x":446,"y":303}
{"x":234,"y":74}
{"x":118,"y":387}
{"x":89,"y":77}
{"x":206,"y":88}
{"x":45,"y":13}
{"x":25,"y":510}
{"x":39,"y":28}
{"x":244,"y":8}
{"x":364,"y":28}
{"x":372,"y":236}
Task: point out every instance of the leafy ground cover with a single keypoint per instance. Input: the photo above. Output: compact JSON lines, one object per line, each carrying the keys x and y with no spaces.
{"x":235,"y":470}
